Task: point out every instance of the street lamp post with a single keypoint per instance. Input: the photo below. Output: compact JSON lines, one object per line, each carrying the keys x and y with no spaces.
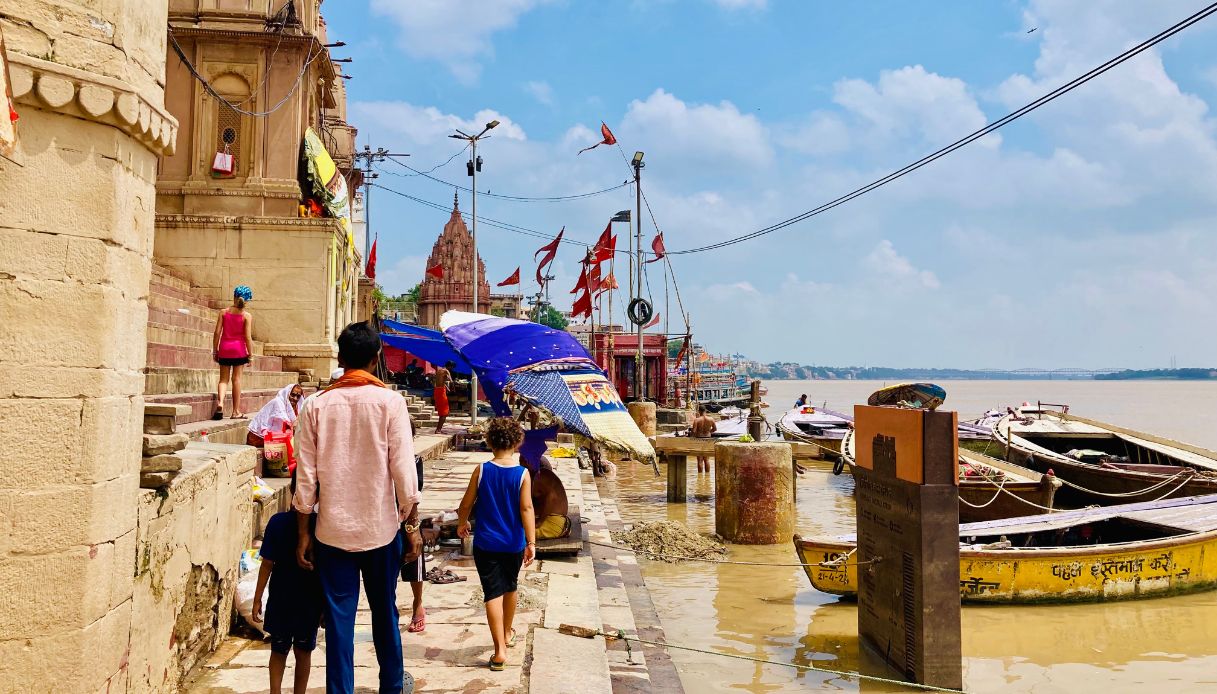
{"x":474,"y":166}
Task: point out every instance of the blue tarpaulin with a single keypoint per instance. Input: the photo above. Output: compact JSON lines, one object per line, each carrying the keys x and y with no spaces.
{"x":411,"y":329}
{"x":437,"y":352}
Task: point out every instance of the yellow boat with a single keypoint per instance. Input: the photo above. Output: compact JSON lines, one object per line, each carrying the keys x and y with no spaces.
{"x":1123,"y":552}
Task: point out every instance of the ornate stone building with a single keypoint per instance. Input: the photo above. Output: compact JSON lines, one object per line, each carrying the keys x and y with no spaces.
{"x":453,"y":251}
{"x":88,"y":85}
{"x":218,"y":230}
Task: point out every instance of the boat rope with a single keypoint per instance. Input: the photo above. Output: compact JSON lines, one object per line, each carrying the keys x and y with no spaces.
{"x":651,"y":553}
{"x":1000,"y":488}
{"x":1189,"y":472}
{"x":619,"y":634}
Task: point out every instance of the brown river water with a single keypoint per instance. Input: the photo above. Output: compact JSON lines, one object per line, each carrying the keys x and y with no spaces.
{"x":772,"y":613}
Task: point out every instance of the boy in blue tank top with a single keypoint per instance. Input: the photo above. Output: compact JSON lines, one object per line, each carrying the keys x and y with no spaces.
{"x":499,"y":498}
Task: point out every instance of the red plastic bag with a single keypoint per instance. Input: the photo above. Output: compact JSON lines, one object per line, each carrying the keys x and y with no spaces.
{"x":223,"y":163}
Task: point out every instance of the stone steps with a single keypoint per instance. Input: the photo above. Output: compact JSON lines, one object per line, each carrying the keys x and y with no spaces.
{"x":162,"y":380}
{"x":160,"y":298}
{"x":162,"y":355}
{"x":182,"y":336}
{"x":202,"y":405}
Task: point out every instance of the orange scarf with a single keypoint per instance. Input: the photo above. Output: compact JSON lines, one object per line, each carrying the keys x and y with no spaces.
{"x":355,"y":377}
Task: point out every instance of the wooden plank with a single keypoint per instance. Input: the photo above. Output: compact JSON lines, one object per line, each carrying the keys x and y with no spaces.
{"x":571,"y":544}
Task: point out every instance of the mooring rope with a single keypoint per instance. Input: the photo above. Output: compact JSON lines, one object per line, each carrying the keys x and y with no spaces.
{"x":707,"y":560}
{"x":798,"y":666}
{"x":1153,"y":487}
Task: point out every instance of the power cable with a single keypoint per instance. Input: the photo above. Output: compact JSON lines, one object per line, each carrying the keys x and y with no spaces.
{"x":513,"y":198}
{"x":433,"y":168}
{"x":181,"y":54}
{"x":505,"y":226}
{"x":968,"y":139}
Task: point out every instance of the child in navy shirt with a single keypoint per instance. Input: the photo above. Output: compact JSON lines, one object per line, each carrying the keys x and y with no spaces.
{"x":294,"y":611}
{"x":499,"y":497}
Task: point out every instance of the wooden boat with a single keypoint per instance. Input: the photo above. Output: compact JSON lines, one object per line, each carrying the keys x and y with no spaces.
{"x":990,"y":488}
{"x":818,"y":425}
{"x":1122,"y":552}
{"x":1102,"y":463}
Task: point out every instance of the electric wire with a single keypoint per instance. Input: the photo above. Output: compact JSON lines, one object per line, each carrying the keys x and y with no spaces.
{"x":181,"y":54}
{"x":512,"y":198}
{"x":433,"y":168}
{"x":972,"y":137}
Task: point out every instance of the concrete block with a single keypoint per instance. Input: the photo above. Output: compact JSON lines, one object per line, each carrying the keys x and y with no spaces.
{"x":569,"y":664}
{"x":166,"y":462}
{"x":159,"y":424}
{"x":165,"y":409}
{"x":155,"y":480}
{"x":158,"y":444}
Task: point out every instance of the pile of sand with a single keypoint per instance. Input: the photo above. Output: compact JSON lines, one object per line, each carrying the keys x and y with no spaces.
{"x":667,"y":540}
{"x":528,"y":596}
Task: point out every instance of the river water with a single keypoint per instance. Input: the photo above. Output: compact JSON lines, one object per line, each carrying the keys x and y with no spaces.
{"x":772,"y":613}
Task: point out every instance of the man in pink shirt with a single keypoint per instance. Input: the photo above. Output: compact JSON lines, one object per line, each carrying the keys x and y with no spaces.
{"x":355,"y":462}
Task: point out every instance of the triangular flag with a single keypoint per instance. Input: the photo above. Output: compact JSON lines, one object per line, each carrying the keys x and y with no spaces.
{"x":654,"y":322}
{"x":514,"y":279}
{"x":583,"y":306}
{"x":437,"y":271}
{"x":608,"y":283}
{"x":581,"y":285}
{"x":550,"y":250}
{"x":607,"y":136}
{"x":657,"y":247}
{"x":605,"y":246}
{"x":370,"y":272}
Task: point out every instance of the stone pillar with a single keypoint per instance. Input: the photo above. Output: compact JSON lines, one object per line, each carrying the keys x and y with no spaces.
{"x":753,"y":492}
{"x":75,"y":244}
{"x":643,"y":414}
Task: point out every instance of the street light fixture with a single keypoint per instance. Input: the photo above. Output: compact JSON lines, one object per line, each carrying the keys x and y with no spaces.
{"x":474,"y":166}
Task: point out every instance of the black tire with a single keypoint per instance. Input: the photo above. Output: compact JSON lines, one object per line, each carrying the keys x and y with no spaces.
{"x":640,"y":311}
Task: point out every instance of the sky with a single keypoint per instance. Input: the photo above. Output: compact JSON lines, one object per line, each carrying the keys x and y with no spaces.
{"x":1083,"y":235}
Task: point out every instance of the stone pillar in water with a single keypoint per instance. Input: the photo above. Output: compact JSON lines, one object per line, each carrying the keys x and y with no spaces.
{"x":753,"y":492}
{"x":643,"y":414}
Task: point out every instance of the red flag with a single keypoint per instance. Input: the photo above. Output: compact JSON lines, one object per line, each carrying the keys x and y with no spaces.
{"x":684,"y":349}
{"x":583,"y":306}
{"x":608,"y":283}
{"x":581,"y":285}
{"x":657,"y":247}
{"x":437,"y":272}
{"x":605,"y":245}
{"x":514,"y":279}
{"x":606,"y":134}
{"x":370,"y":272}
{"x":654,"y":322}
{"x":550,"y":250}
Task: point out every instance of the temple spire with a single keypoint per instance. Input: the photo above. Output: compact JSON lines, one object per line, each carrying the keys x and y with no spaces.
{"x":456,"y":201}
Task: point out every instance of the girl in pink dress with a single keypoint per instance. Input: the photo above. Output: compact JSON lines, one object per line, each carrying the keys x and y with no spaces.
{"x":232,"y":347}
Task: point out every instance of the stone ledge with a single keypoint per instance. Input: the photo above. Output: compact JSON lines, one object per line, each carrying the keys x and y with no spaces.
{"x":86,"y":95}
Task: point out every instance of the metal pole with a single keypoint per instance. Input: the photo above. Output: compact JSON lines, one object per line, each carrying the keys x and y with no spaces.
{"x":640,"y":381}
{"x":473,"y":377}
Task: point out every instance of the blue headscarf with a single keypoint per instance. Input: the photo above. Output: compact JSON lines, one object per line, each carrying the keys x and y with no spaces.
{"x":243,"y":292}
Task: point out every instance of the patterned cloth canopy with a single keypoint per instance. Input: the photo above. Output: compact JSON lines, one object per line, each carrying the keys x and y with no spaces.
{"x":546,"y":367}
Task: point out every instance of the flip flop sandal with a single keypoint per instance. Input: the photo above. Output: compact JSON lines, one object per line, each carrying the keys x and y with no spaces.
{"x":418,"y":623}
{"x":445,"y":578}
{"x":511,"y":642}
{"x":218,"y":415}
{"x":497,"y":666}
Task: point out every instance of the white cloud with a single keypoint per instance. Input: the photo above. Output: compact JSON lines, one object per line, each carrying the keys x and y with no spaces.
{"x":698,"y":133}
{"x":890,"y":266}
{"x":913,"y":102}
{"x":541,"y":91}
{"x":427,"y":124}
{"x":455,"y":33}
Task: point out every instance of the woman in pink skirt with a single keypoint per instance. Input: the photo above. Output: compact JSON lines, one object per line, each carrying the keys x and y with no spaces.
{"x":232,"y":347}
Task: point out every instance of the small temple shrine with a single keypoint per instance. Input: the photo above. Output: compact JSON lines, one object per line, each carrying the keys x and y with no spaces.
{"x":452,"y":257}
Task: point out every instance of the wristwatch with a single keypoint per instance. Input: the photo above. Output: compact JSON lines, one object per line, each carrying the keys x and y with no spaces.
{"x":410,"y":529}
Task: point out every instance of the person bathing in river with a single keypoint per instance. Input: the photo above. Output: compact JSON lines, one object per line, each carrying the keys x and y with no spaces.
{"x":702,"y":428}
{"x":441,"y":380}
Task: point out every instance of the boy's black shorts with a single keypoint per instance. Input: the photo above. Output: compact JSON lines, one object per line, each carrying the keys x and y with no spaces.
{"x":499,"y":571}
{"x":283,"y":643}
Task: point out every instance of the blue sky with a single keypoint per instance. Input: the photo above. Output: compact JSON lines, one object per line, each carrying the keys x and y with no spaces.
{"x":1083,"y":235}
